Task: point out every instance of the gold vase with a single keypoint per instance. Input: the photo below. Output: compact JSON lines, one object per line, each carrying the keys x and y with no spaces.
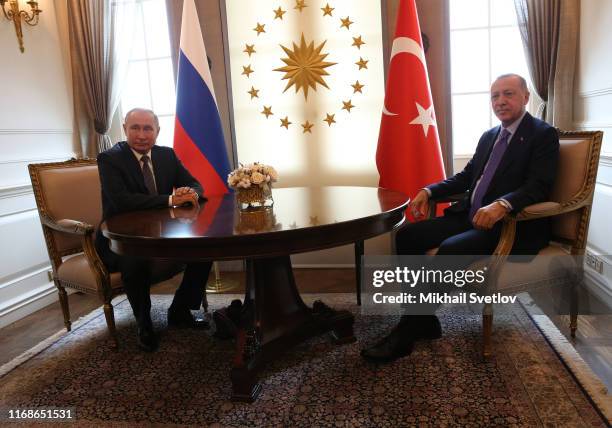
{"x":255,"y":197}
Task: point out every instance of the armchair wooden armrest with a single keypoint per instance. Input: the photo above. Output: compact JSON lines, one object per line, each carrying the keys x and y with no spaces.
{"x":531,"y":212}
{"x":65,"y":225}
{"x":433,"y":202}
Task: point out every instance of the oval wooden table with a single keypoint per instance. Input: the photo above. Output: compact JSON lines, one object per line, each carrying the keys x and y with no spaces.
{"x":302,"y":219}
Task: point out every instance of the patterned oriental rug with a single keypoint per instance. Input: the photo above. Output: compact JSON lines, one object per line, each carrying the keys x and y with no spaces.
{"x":318,"y":383}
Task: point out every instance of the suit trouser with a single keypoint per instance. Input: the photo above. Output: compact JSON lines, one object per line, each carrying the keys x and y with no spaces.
{"x":137,"y":276}
{"x":452,"y":234}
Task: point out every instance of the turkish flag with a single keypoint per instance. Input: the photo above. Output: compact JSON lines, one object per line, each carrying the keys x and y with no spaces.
{"x":408,"y":156}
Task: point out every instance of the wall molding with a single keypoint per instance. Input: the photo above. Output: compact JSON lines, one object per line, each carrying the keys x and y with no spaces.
{"x":18,"y":131}
{"x":593,"y":125}
{"x":32,"y":160}
{"x":595,"y":93}
{"x":15,"y":191}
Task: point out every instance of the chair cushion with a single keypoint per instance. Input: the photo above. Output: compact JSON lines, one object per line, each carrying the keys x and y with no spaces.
{"x":550,"y":265}
{"x":76,"y":271}
{"x":572,"y":178}
{"x":72,"y":193}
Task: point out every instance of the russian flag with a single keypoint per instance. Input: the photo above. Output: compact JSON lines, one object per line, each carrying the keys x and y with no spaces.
{"x":198,"y":135}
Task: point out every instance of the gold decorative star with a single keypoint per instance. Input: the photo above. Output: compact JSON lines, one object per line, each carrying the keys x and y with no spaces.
{"x":250,"y":49}
{"x":254,"y":92}
{"x":327,"y":10}
{"x":305,"y":66}
{"x":259,"y":28}
{"x":314,"y":220}
{"x":299,"y":5}
{"x":362,"y":63}
{"x":329,"y":119}
{"x":358,"y":42}
{"x":247,"y":70}
{"x":285,"y":122}
{"x":307,"y":127}
{"x":357,"y":87}
{"x":267,"y":111}
{"x":346,"y":22}
{"x":347,"y":105}
{"x":278,"y":13}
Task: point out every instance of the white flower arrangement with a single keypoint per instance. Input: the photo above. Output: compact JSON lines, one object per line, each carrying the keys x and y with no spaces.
{"x":253,"y":174}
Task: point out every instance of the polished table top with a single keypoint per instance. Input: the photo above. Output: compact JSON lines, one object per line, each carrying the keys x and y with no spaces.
{"x":302,"y":219}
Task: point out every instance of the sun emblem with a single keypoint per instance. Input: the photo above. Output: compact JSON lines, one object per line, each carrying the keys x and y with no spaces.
{"x":305,"y":66}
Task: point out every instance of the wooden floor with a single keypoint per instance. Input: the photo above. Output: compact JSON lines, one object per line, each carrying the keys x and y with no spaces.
{"x":593,"y":341}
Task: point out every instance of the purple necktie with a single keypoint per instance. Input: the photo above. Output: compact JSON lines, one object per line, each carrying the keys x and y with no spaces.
{"x":489,"y":171}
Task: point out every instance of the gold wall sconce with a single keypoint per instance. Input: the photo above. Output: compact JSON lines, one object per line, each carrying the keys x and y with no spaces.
{"x":17,"y":16}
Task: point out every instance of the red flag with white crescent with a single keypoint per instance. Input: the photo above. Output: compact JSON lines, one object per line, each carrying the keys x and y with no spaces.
{"x":408,"y":155}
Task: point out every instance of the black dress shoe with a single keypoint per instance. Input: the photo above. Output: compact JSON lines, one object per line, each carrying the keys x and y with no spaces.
{"x":389,"y":348}
{"x":183,"y":318}
{"x":147,"y":340}
{"x":227,"y":320}
{"x":420,"y":327}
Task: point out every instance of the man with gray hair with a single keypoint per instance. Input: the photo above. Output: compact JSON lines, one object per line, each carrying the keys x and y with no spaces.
{"x":136,"y":175}
{"x":515,"y":165}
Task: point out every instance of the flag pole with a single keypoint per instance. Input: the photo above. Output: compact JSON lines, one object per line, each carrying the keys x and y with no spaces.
{"x":217,"y":285}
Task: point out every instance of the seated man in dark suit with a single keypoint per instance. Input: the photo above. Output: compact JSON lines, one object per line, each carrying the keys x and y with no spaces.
{"x":514,"y":166}
{"x":136,"y":175}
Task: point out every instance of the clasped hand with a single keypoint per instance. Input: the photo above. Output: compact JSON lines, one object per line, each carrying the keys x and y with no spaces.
{"x":184,"y":195}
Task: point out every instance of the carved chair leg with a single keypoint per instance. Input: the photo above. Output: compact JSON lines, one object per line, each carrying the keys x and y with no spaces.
{"x":63,"y":298}
{"x":109,"y":313}
{"x":487,"y":330}
{"x":573,"y":310}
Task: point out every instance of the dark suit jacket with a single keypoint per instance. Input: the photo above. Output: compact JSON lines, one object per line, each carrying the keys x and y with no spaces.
{"x":525,"y":176}
{"x":123,"y":187}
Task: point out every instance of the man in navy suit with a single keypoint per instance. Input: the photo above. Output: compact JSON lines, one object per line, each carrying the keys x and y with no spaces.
{"x":137,"y":175}
{"x":514,"y":166}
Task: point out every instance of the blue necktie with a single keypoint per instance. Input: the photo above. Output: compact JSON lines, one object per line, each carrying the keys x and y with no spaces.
{"x":489,"y":171}
{"x":147,"y":174}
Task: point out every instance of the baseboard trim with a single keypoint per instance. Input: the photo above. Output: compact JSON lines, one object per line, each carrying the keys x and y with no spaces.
{"x":24,"y":305}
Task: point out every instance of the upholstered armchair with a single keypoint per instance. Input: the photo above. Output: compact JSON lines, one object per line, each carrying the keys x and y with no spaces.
{"x":570,"y":209}
{"x":69,"y":205}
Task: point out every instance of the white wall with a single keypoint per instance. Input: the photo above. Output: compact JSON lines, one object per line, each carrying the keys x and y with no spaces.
{"x":36,"y":125}
{"x":593,"y":111}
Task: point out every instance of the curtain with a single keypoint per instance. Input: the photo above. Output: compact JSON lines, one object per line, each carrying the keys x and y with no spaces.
{"x":100,"y":42}
{"x":538,"y":22}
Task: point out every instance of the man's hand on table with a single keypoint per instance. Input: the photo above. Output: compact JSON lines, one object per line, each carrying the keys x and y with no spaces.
{"x":185,"y":196}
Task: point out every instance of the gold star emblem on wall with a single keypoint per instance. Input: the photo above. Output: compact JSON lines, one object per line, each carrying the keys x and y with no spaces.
{"x":278,"y":13}
{"x":329,"y":119}
{"x":259,"y":28}
{"x":357,"y":87}
{"x":358,"y":42}
{"x":346,"y":22}
{"x":327,"y":10}
{"x":307,"y":127}
{"x":305,"y":66}
{"x":247,"y":70}
{"x":285,"y":122}
{"x":299,"y":5}
{"x":362,"y":63}
{"x":267,"y":111}
{"x":254,"y":92}
{"x":250,"y":49}
{"x":347,"y":105}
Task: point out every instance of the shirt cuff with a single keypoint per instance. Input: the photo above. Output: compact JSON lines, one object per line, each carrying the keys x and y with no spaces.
{"x":505,"y":203}
{"x":170,"y":200}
